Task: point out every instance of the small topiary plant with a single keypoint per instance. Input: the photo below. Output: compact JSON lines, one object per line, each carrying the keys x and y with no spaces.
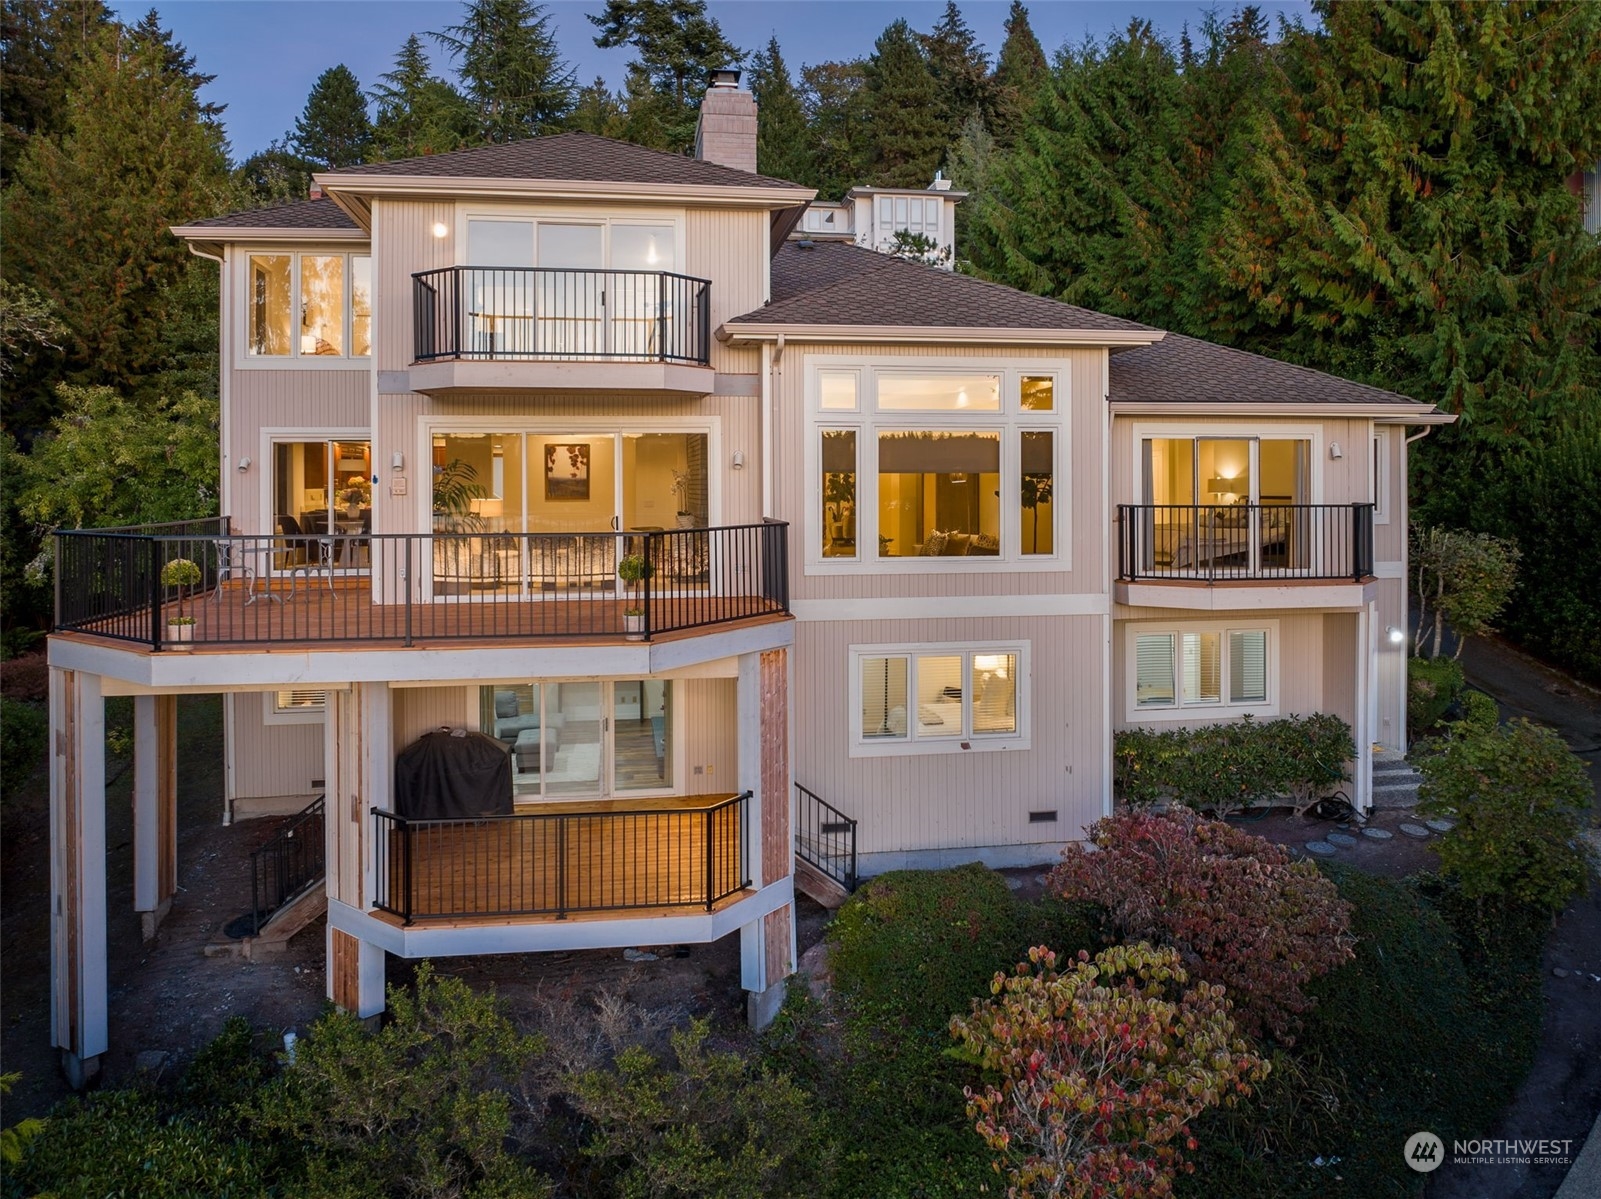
{"x":182,"y":574}
{"x":1519,"y":798}
{"x":1101,"y":1069}
{"x":1235,"y":907}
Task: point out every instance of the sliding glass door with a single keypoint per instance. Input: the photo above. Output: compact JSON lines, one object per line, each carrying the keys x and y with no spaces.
{"x":584,"y":739}
{"x":1230,"y":504}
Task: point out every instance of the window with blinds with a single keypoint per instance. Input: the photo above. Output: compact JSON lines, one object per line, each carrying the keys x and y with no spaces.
{"x":1248,"y":666}
{"x":1199,"y":668}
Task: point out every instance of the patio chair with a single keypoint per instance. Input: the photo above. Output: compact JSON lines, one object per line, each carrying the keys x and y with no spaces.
{"x":232,"y":564}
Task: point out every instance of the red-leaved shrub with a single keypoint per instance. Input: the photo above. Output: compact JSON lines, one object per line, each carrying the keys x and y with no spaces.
{"x":1237,"y":909}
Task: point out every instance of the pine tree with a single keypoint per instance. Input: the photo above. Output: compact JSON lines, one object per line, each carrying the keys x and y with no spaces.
{"x":908,"y":134}
{"x":783,"y":149}
{"x":972,"y":163}
{"x":839,"y":119}
{"x":677,"y":46}
{"x":960,"y":68}
{"x":333,"y":130}
{"x":276,"y":175}
{"x":40,"y":42}
{"x":599,"y":110}
{"x":1021,"y":73}
{"x":418,"y":113}
{"x":511,"y":70}
{"x":87,"y":219}
{"x":176,"y":60}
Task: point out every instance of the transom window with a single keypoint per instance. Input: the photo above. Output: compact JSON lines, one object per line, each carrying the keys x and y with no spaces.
{"x":910,"y":464}
{"x":306,"y":305}
{"x":938,"y":698}
{"x":1202,"y":670}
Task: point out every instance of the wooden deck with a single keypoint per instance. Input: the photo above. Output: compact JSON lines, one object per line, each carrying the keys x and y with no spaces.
{"x":345,"y":616}
{"x":556,"y":859}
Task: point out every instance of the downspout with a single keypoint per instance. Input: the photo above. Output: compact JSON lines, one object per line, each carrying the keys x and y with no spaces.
{"x":770,"y":363}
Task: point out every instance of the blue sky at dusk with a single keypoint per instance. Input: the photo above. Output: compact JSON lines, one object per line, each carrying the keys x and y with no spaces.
{"x":266,"y":54}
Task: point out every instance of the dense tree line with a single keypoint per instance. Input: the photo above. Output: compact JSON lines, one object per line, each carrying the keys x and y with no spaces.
{"x":1383,"y":196}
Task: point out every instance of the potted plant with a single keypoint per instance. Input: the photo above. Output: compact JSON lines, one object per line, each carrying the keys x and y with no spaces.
{"x":631,"y":569}
{"x":180,"y":573}
{"x":357,"y":494}
{"x":680,"y":488}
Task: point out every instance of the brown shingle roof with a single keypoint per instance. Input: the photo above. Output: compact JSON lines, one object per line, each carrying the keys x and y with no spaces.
{"x":579,"y":157}
{"x":1186,"y":370}
{"x":302,"y":214}
{"x":833,"y":283}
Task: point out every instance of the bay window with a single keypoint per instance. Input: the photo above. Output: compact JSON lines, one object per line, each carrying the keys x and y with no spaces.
{"x":909,"y":464}
{"x":308,"y":305}
{"x":1201,"y":670}
{"x":938,"y":698}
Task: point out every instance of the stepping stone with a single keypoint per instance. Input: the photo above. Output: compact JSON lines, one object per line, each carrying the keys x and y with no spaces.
{"x":1377,"y":834}
{"x":1415,"y":830}
{"x":1441,"y":826}
{"x":1321,"y":848}
{"x":1341,"y":840}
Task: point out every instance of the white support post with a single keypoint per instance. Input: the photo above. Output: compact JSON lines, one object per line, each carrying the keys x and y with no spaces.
{"x":1365,"y":682}
{"x":155,"y":808}
{"x":78,"y":996}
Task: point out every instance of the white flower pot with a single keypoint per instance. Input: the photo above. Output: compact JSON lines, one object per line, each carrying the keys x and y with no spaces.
{"x":180,"y":633}
{"x":634,"y":626}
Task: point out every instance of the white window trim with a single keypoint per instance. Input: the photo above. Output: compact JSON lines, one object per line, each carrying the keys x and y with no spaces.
{"x":271,"y":713}
{"x":294,"y":360}
{"x":862,"y":747}
{"x":1180,"y":712}
{"x":274,"y":435}
{"x":1383,"y":484}
{"x":587,"y":214}
{"x":1191,"y":430}
{"x":1010,"y":419}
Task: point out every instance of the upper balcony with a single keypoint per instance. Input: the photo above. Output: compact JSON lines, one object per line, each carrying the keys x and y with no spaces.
{"x":501,"y":328}
{"x":388,"y":591}
{"x":1230,"y":556}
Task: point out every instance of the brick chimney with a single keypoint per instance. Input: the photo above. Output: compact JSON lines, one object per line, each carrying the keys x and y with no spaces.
{"x":726,"y":132}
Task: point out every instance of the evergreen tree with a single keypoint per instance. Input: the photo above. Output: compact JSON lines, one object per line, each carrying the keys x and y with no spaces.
{"x":334,"y":130}
{"x":960,"y":68}
{"x":836,"y":101}
{"x":783,"y":149}
{"x":87,"y":219}
{"x":677,"y":46}
{"x":40,"y":42}
{"x":176,"y":60}
{"x":599,"y":110}
{"x":1021,"y":73}
{"x":276,"y":175}
{"x":511,"y":70}
{"x":908,"y":134}
{"x":972,"y":163}
{"x":418,"y":113}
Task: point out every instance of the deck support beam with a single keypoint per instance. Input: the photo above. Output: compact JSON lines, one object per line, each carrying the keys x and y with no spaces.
{"x":767,"y":945}
{"x":359,"y":748}
{"x":155,"y":808}
{"x":78,"y":996}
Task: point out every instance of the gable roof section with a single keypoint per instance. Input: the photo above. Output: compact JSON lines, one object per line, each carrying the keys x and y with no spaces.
{"x":301,"y":214}
{"x":837,"y":284}
{"x":567,"y":157}
{"x":1185,"y":372}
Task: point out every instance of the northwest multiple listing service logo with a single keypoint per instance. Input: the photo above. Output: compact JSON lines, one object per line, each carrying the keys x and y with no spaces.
{"x":1425,"y":1152}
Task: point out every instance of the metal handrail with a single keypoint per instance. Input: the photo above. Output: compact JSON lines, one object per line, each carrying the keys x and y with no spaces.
{"x":545,"y":864}
{"x":1220,"y":542}
{"x":825,"y":838}
{"x":560,"y":314}
{"x":288,"y":865}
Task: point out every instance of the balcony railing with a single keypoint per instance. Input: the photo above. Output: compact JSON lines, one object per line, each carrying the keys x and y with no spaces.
{"x":1218,"y":542}
{"x":412,"y":588}
{"x":538,"y":313}
{"x":558,"y":864}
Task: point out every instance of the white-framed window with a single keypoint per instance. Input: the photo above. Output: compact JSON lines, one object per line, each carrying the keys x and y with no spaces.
{"x":1196,"y":670}
{"x":938,"y":699}
{"x":578,"y":738}
{"x":963,"y":462}
{"x":1381,"y":477}
{"x":294,"y":705}
{"x":306,"y":305}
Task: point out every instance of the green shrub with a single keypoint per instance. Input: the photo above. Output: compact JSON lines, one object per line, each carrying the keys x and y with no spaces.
{"x":1225,"y":767}
{"x":1480,"y":712}
{"x":1432,"y":686}
{"x":710,"y":1127}
{"x":24,"y":733}
{"x":1519,"y":797}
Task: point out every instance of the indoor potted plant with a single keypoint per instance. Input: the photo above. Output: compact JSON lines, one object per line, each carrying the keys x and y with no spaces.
{"x":180,"y":573}
{"x":680,"y":488}
{"x":631,"y":569}
{"x":357,"y":494}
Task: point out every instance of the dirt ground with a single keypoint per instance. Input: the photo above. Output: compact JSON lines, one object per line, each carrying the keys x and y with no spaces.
{"x":168,"y":997}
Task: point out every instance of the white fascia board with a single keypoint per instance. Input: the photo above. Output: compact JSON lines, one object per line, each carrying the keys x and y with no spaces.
{"x":561,"y":189}
{"x":213,"y":233}
{"x":1397,"y":413}
{"x":738,"y":334}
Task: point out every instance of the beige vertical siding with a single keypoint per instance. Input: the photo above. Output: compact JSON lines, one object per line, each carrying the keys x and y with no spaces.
{"x":1389,"y":540}
{"x":404,"y":243}
{"x":420,"y":710}
{"x":306,"y":400}
{"x":272,"y":759}
{"x":707,"y":732}
{"x":1081,"y":486}
{"x":945,"y":801}
{"x":729,"y":248}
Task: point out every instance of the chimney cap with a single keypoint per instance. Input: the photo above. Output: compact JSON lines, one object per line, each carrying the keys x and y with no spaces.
{"x":723,"y":78}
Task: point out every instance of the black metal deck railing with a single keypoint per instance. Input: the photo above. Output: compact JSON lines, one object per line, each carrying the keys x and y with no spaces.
{"x":558,"y":864}
{"x":533,"y":313}
{"x":825,"y":837}
{"x":292,"y":861}
{"x":411,"y":588}
{"x":1212,"y":542}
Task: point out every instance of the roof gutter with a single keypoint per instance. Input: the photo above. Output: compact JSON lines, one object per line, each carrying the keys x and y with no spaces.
{"x":216,"y":234}
{"x":735,"y":333}
{"x":563,"y":189}
{"x":1401,"y":412}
